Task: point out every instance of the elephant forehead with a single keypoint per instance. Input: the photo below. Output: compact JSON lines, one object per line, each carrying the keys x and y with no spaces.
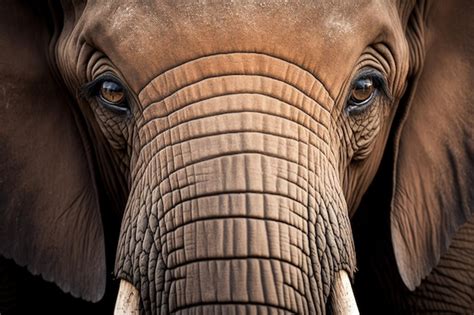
{"x":146,"y":38}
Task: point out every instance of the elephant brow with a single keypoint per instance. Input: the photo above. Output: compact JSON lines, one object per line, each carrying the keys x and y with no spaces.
{"x":244,"y":53}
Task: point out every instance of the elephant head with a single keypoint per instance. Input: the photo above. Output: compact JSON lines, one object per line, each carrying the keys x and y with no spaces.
{"x":234,"y":139}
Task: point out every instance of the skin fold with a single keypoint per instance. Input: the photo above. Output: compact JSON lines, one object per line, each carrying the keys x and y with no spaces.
{"x":227,"y":177}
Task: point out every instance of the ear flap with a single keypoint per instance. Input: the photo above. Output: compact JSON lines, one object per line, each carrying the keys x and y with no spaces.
{"x":49,"y":210}
{"x":434,"y":166}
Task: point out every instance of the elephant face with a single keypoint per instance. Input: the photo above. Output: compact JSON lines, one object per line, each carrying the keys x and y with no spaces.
{"x":239,"y":137}
{"x":241,"y":141}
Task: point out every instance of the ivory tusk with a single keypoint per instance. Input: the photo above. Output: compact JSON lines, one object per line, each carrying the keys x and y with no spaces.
{"x":342,"y":298}
{"x":128,"y":300}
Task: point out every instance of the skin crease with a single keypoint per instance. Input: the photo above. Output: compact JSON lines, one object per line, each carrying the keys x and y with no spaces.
{"x":238,"y":165}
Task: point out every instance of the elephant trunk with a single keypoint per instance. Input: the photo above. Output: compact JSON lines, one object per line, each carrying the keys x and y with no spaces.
{"x":235,"y":204}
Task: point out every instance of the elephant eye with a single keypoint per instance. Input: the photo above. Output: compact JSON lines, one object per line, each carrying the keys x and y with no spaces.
{"x":109,"y":93}
{"x":364,"y":90}
{"x":112,"y":92}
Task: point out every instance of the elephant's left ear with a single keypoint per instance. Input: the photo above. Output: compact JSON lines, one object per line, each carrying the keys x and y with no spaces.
{"x":434,"y":163}
{"x":49,"y":210}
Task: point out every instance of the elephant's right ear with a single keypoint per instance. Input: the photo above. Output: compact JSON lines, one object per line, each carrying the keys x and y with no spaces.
{"x":434,"y":166}
{"x":49,"y":210}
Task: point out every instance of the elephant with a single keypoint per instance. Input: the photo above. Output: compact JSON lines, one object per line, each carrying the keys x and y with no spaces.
{"x":234,"y":156}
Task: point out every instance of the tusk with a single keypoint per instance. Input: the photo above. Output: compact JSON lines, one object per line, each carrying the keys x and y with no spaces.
{"x":342,"y":298}
{"x":128,"y":299}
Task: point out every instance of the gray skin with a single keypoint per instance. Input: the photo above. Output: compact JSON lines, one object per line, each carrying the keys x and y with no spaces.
{"x":238,"y":159}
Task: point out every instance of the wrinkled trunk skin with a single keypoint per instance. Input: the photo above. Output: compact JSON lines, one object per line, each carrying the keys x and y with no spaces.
{"x":235,"y":205}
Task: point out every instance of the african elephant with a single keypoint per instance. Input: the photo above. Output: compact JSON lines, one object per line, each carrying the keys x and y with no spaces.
{"x":211,"y":154}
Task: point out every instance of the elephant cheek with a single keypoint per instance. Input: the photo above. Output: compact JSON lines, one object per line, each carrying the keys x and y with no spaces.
{"x":235,"y":206}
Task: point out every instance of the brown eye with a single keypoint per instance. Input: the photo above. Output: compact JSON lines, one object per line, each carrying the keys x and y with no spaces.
{"x":112,"y":92}
{"x":362,"y":91}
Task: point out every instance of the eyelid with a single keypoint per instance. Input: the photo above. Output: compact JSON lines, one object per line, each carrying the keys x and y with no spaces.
{"x":89,"y":89}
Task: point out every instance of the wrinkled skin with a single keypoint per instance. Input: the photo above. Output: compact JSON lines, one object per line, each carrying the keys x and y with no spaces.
{"x":239,"y":161}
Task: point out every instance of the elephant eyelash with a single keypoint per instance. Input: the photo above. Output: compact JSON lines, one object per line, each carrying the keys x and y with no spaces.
{"x":381,"y":82}
{"x":91,"y":90}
